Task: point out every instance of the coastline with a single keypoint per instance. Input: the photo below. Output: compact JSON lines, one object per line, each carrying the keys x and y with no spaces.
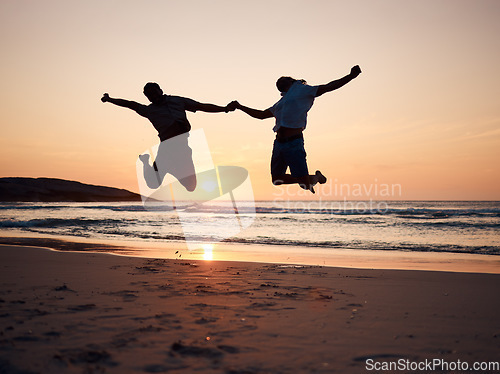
{"x":95,"y":312}
{"x":276,"y":254}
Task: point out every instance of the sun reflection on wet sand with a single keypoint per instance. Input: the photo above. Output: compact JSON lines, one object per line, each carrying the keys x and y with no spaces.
{"x":208,"y":254}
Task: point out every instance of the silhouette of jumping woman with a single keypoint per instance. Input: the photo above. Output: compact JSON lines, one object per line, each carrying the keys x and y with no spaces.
{"x":291,"y":119}
{"x":168,"y":116}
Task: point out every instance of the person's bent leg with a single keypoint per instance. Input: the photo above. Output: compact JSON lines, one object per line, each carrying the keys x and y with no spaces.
{"x":151,"y":174}
{"x":189,"y":182}
{"x":284,"y":179}
{"x":304,"y":181}
{"x":295,"y":154}
{"x":179,"y":161}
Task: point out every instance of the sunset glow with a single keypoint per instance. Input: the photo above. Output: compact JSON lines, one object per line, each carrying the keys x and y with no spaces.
{"x":423,"y":115}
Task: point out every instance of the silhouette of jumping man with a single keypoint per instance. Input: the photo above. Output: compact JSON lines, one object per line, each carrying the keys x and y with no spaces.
{"x":168,"y":116}
{"x":291,"y":119}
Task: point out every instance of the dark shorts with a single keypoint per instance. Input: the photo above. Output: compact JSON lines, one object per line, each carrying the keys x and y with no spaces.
{"x":290,"y":154}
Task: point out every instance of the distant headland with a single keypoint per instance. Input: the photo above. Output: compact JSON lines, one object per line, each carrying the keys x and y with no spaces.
{"x":16,"y":189}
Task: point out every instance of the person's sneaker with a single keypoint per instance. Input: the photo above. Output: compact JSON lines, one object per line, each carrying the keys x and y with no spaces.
{"x":321,"y":177}
{"x":144,"y":158}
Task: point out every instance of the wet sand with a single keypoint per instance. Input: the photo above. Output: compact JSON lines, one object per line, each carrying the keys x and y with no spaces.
{"x":68,"y":312}
{"x":276,"y":254}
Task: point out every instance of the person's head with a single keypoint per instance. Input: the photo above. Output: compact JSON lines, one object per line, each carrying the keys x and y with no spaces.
{"x":284,"y":83}
{"x":153,"y":92}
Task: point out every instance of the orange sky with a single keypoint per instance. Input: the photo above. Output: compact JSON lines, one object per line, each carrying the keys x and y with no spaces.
{"x":424,"y":115}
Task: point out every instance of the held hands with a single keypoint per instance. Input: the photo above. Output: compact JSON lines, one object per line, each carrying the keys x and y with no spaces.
{"x":232,"y":106}
{"x":355,"y":71}
{"x":105,"y":98}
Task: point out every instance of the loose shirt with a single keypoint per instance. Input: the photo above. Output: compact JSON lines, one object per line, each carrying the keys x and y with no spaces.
{"x":169,"y":116}
{"x":291,"y":110}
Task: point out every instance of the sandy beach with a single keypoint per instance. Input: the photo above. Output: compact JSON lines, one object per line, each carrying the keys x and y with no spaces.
{"x":69,"y":312}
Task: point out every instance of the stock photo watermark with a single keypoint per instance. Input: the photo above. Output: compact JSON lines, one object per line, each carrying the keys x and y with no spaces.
{"x":212,"y":202}
{"x":429,"y":365}
{"x":336,"y":197}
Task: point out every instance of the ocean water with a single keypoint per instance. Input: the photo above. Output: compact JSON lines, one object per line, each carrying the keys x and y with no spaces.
{"x":415,"y":226}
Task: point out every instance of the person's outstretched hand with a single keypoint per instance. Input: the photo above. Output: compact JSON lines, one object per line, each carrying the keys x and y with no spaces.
{"x":105,"y":98}
{"x":355,"y":71}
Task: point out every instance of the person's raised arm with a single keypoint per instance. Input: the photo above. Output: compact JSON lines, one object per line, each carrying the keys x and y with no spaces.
{"x":121,"y":102}
{"x":255,"y":113}
{"x":333,"y":85}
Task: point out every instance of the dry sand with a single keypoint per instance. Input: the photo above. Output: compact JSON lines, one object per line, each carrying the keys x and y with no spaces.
{"x":66,"y":312}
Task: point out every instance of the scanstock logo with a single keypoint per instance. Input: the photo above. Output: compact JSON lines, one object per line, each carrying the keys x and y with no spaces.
{"x":212,"y":202}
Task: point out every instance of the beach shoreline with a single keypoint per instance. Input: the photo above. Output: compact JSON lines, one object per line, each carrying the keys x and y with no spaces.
{"x":277,"y":254}
{"x":81,"y":312}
